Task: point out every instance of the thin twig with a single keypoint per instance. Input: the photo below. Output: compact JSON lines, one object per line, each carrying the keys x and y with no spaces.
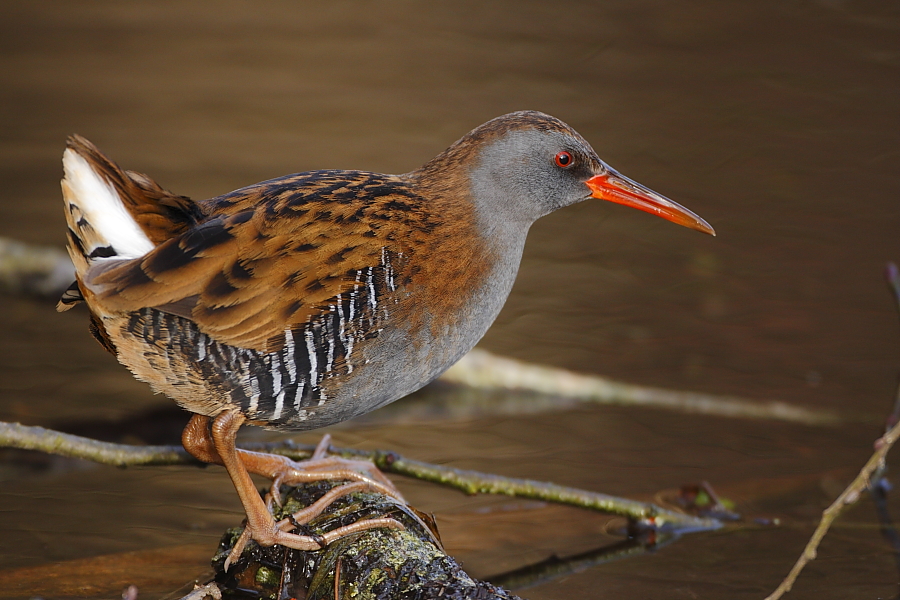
{"x":848,"y":497}
{"x":643,"y":514}
{"x":869,"y":477}
{"x":472,"y":482}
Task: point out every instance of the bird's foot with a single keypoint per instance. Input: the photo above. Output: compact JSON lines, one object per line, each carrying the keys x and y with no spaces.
{"x":216,"y":444}
{"x":321,"y":467}
{"x":281,"y":534}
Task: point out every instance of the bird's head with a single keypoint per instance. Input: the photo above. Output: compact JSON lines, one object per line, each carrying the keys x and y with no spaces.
{"x":527,"y":164}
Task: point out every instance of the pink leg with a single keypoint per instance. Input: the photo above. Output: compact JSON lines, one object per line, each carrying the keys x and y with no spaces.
{"x":220,"y":449}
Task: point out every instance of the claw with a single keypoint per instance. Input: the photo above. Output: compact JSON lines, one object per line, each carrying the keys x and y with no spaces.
{"x":322,"y":447}
{"x":237,"y":549}
{"x":275,"y":492}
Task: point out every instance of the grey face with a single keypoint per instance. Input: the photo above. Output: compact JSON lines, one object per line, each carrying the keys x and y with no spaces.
{"x":520,"y":177}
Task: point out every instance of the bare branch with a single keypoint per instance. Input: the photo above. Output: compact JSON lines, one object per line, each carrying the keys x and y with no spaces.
{"x":14,"y":435}
{"x":847,"y":498}
{"x":644,"y":515}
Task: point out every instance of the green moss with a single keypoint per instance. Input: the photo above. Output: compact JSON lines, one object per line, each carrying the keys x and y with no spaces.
{"x":267,"y":577}
{"x":375,"y":564}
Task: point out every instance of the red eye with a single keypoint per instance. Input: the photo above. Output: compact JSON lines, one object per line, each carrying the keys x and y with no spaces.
{"x":564,"y":160}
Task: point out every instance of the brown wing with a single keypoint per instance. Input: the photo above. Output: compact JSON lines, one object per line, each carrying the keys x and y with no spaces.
{"x":270,"y":256}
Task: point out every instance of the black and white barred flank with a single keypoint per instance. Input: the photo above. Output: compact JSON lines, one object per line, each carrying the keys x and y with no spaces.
{"x":280,"y":387}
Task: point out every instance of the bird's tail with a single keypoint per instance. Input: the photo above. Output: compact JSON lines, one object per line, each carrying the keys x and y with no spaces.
{"x":114,"y":214}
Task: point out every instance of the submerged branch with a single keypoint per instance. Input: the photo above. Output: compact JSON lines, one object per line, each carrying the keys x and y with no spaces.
{"x":554,"y":567}
{"x":643,"y":515}
{"x":42,"y":271}
{"x":486,"y":371}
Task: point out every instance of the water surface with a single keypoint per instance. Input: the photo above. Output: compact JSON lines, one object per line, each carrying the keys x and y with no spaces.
{"x":776,"y":121}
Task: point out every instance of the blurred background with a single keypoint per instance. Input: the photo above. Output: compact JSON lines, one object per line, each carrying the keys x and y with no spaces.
{"x":778,"y":122}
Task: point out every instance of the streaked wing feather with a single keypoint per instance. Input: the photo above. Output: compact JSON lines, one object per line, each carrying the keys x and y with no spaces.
{"x":267,"y":262}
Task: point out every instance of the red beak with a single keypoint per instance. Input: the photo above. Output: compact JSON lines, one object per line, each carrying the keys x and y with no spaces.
{"x":619,"y":189}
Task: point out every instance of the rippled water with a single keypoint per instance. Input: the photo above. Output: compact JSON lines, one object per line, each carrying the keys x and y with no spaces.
{"x":776,"y":121}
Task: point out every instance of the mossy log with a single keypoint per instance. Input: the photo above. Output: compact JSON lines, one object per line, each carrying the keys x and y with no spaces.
{"x":375,"y":564}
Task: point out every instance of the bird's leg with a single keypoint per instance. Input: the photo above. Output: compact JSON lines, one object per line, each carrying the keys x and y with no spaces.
{"x":281,"y":469}
{"x":259,"y":520}
{"x":261,"y":526}
{"x":196,"y":440}
{"x":305,"y":515}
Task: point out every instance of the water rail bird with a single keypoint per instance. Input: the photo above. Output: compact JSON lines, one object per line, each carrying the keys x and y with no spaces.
{"x":312,"y":298}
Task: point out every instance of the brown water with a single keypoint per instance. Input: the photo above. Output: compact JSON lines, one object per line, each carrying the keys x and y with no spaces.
{"x":776,"y":121}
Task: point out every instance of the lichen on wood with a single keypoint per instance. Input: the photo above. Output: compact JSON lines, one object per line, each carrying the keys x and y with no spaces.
{"x":374,"y":564}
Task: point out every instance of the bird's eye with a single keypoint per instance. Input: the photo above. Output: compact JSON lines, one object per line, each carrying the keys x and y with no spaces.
{"x":564,"y":160}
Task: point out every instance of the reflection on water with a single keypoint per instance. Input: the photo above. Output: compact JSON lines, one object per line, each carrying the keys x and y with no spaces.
{"x":777,"y":123}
